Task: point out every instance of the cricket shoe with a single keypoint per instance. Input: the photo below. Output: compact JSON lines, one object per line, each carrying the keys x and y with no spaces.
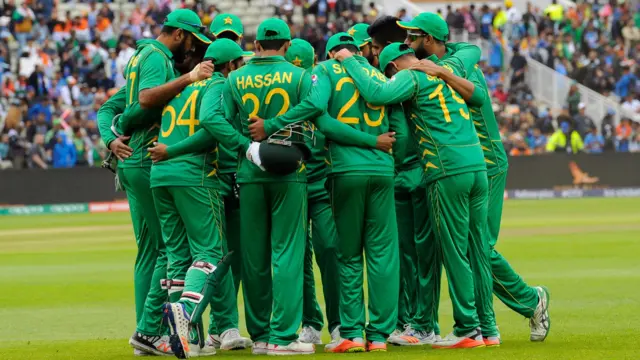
{"x":376,"y":346}
{"x":492,"y":341}
{"x":540,"y":322}
{"x":294,"y":348}
{"x":213,"y":341}
{"x":179,"y":325}
{"x":137,"y":352}
{"x":346,"y":346}
{"x":260,"y":348}
{"x":231,"y":340}
{"x":335,"y":334}
{"x":404,"y":338}
{"x":469,"y":341}
{"x":151,"y":345}
{"x":309,"y":335}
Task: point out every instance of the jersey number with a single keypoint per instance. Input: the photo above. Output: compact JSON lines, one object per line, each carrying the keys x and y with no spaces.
{"x":443,"y":103}
{"x":256,"y":103}
{"x":191,"y":121}
{"x":347,"y":106}
{"x":132,"y":78}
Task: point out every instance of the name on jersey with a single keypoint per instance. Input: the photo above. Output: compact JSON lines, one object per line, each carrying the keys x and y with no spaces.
{"x":258,"y":81}
{"x":339,"y":69}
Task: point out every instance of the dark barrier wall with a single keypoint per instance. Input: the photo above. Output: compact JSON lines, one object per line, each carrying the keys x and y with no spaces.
{"x":562,"y":171}
{"x":57,"y":186}
{"x":553,"y":172}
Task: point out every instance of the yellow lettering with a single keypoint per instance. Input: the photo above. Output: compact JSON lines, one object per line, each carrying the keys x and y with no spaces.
{"x":276,"y":78}
{"x":337,"y":69}
{"x":367,"y":71}
{"x":258,"y":80}
{"x":268,"y":80}
{"x":240,"y":82}
{"x":286,"y":77}
{"x":249,"y":83}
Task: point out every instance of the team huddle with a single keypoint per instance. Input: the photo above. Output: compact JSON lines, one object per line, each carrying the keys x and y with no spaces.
{"x":240,"y":174}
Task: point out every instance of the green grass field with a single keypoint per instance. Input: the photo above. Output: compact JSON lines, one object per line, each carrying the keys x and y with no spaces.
{"x":66,"y":285}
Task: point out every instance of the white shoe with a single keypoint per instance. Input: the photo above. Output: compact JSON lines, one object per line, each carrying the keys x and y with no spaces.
{"x":213,"y":341}
{"x":426,"y":338}
{"x":207,"y":350}
{"x":309,"y":335}
{"x":468,"y":341}
{"x":137,"y":352}
{"x":260,"y":348}
{"x":335,"y":334}
{"x":540,"y":323}
{"x":150,"y":345}
{"x":231,"y":340}
{"x":179,"y":323}
{"x":404,"y":338}
{"x":294,"y":348}
{"x":396,"y":332}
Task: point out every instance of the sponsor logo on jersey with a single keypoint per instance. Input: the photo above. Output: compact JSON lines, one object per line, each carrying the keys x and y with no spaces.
{"x":314,"y":79}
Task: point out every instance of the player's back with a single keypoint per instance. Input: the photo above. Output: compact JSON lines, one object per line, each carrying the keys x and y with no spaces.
{"x":179,"y":122}
{"x":347,"y":106}
{"x":447,"y":140}
{"x":266,"y":87}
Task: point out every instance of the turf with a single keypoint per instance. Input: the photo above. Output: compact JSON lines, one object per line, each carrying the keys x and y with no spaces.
{"x":67,"y":285}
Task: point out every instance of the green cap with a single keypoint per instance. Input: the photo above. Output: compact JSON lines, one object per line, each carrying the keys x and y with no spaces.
{"x":341,"y":38}
{"x":359,"y":32}
{"x":273,"y":29}
{"x":392,"y":52}
{"x":222,"y":51}
{"x":187,"y":20}
{"x":226,"y":22}
{"x":430,"y":23}
{"x":300,"y":54}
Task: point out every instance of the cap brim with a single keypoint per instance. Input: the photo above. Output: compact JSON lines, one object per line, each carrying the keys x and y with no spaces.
{"x":248,"y":54}
{"x":201,"y":37}
{"x":365,"y":42}
{"x":407,"y":25}
{"x":226,"y":29}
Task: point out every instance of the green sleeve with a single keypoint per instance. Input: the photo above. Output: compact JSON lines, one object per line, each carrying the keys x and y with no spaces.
{"x":398,"y":89}
{"x":343,"y":133}
{"x":153,"y":71}
{"x":467,"y":55}
{"x":198,"y":142}
{"x":480,"y":92}
{"x":230,"y":107}
{"x":112,"y":107}
{"x":398,"y":124}
{"x":213,"y":119}
{"x":315,"y":101}
{"x":133,"y":117}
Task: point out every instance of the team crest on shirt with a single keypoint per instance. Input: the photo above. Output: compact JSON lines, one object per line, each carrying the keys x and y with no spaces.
{"x":314,"y":79}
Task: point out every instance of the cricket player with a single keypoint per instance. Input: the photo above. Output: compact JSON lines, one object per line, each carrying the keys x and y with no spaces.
{"x":151,"y":82}
{"x":361,"y":190}
{"x":359,"y":33}
{"x":508,"y":286}
{"x":454,"y":169}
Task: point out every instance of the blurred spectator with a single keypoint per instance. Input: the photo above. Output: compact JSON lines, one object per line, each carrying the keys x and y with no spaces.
{"x":64,"y":152}
{"x":608,"y":130}
{"x":5,"y":163}
{"x":594,"y":142}
{"x":626,"y":83}
{"x":38,"y":157}
{"x":565,"y":139}
{"x":573,"y":99}
{"x":537,"y":141}
{"x":519,"y":66}
{"x":582,"y":122}
{"x":623,"y":135}
{"x":631,"y":107}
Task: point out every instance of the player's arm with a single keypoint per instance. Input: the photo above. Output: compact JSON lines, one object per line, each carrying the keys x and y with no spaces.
{"x":344,"y":134}
{"x":315,"y":99}
{"x":200,"y":141}
{"x":468,"y":55}
{"x":213,"y":118}
{"x":471,"y":90}
{"x":112,"y":107}
{"x":400,"y":88}
{"x":398,"y":124}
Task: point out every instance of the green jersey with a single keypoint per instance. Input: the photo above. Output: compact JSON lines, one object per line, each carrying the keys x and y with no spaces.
{"x":265,"y":87}
{"x":150,"y":66}
{"x":317,"y":163}
{"x":227,"y":159}
{"x":440,"y":120}
{"x":113,"y":106}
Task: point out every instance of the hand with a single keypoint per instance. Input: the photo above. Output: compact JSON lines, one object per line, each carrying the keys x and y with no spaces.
{"x":342,"y":54}
{"x":257,"y":129}
{"x":385,"y":141}
{"x":253,"y":155}
{"x":158,"y":152}
{"x":202,"y":71}
{"x":120,"y":149}
{"x":428,"y":67}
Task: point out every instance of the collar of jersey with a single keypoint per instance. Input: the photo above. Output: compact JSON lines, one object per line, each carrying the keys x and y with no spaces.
{"x":266,"y":59}
{"x":157,"y":44}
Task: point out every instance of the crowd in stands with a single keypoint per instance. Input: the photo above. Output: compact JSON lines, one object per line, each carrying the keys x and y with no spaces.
{"x":56,"y":71}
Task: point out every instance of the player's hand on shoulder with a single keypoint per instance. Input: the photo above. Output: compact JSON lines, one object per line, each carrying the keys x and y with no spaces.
{"x":120,"y":149}
{"x":158,"y":152}
{"x":256,"y":128}
{"x":202,"y":71}
{"x":385,"y":141}
{"x":342,"y":54}
{"x":428,"y":67}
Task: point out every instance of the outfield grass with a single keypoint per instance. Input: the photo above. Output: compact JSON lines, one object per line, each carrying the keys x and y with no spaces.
{"x":67,"y":291}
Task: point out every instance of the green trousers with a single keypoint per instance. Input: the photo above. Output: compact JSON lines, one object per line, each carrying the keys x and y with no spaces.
{"x":420,"y":259}
{"x":458,"y":212}
{"x":272,"y":241}
{"x":151,"y":259}
{"x":322,"y":240}
{"x":364,"y":211}
{"x":192,"y":220}
{"x":508,"y":286}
